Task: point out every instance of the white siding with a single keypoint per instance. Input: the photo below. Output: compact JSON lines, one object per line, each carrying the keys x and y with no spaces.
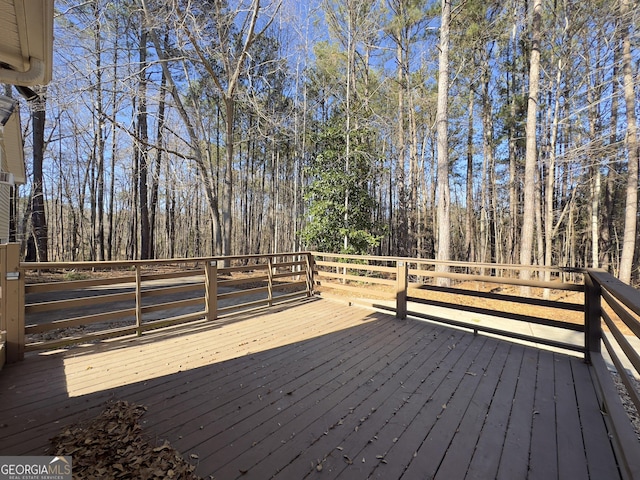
{"x":5,"y":192}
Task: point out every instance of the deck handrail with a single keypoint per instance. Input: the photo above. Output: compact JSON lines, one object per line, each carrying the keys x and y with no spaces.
{"x":406,"y":286}
{"x":281,"y":277}
{"x":608,"y":299}
{"x":403,"y":279}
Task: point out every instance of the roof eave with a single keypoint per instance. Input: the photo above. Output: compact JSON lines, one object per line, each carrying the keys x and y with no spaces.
{"x":34,"y":24}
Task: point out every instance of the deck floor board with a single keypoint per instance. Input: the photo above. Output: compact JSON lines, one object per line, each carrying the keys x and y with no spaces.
{"x":571,"y":460}
{"x":594,"y":434}
{"x":514,"y":457}
{"x":484,"y":462}
{"x":544,"y":460}
{"x":457,"y":456}
{"x":319,"y":387}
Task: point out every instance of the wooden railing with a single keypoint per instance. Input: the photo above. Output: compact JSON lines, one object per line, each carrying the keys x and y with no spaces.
{"x":584,"y":301}
{"x":66,"y":303}
{"x":574,"y":310}
{"x":490,"y":292}
{"x":11,"y":304}
{"x":617,"y":305}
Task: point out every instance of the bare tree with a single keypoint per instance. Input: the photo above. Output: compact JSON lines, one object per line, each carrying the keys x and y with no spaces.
{"x":442,"y":123}
{"x":631,"y":204}
{"x":97,"y":201}
{"x":195,"y":143}
{"x":224,"y":59}
{"x":229,"y":136}
{"x":155,"y":178}
{"x":38,"y":217}
{"x":142,"y":151}
{"x":531,"y":154}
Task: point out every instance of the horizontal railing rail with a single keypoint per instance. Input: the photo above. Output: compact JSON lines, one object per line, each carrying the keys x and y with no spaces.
{"x":411,"y":285}
{"x":67,"y":303}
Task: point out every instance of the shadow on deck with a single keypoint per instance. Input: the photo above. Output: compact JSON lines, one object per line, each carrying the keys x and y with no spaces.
{"x":357,"y":392}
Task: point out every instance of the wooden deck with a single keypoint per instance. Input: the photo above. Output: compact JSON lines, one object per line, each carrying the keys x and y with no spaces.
{"x":357,"y":392}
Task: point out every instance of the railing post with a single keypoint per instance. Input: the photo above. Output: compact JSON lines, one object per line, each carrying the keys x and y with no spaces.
{"x":310,"y":276}
{"x":138,"y":300}
{"x":402,"y":273}
{"x":3,"y":318}
{"x":592,"y":317}
{"x":12,"y":301}
{"x":270,"y":280}
{"x":211,"y":289}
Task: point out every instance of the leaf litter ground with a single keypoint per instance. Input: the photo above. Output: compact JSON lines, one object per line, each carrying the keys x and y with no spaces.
{"x":113,"y":445}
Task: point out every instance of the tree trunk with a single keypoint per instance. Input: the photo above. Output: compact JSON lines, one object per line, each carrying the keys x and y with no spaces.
{"x":610,"y":179}
{"x":468,"y":234}
{"x":486,"y":215}
{"x":442,"y":121}
{"x":227,"y":191}
{"x":170,"y":206}
{"x":132,"y":247}
{"x":143,"y":149}
{"x":631,"y":203}
{"x":400,"y":170}
{"x":549,"y":231}
{"x":100,"y":145}
{"x":414,"y":182}
{"x":114,"y":143}
{"x":155,"y":177}
{"x":594,"y":168}
{"x":38,"y":216}
{"x":526,"y":244}
{"x":512,"y":253}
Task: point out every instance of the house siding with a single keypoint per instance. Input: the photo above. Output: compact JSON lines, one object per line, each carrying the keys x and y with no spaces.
{"x":5,"y":195}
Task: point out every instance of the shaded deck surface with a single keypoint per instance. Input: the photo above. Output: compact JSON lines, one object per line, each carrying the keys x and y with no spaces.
{"x":319,"y":383}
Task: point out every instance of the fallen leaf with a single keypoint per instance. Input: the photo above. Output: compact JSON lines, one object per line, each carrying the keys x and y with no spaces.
{"x":112,"y":445}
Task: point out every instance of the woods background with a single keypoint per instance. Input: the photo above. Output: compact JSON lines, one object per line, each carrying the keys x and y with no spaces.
{"x":176,"y":129}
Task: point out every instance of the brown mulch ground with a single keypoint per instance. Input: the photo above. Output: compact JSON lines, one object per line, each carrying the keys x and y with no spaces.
{"x":113,"y":445}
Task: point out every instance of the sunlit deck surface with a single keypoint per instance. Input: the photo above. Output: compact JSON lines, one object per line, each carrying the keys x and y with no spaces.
{"x":358,"y":392}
